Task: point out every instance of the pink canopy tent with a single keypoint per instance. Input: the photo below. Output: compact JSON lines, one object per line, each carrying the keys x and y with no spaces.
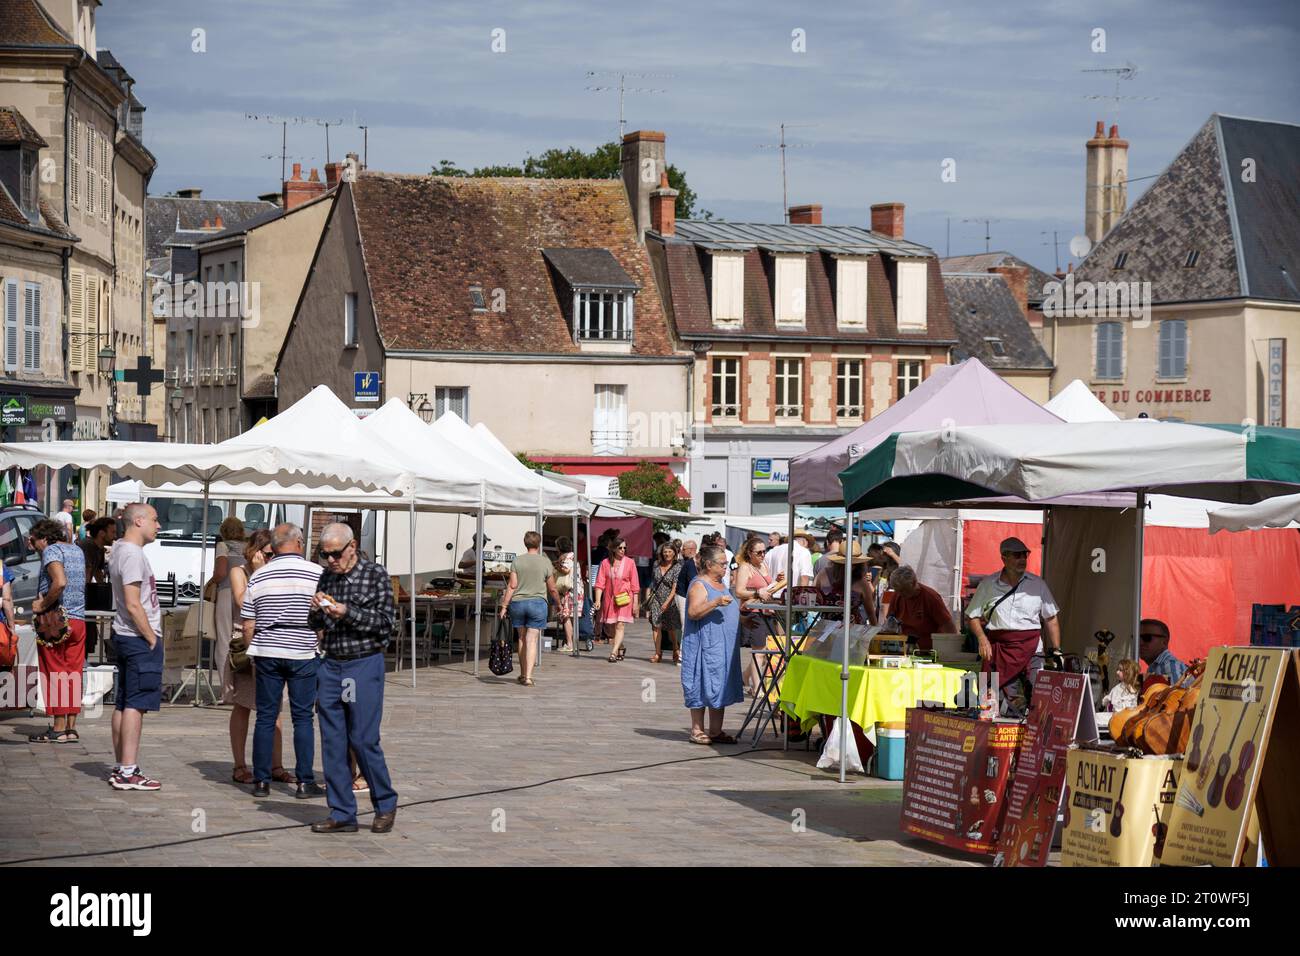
{"x":964,"y":394}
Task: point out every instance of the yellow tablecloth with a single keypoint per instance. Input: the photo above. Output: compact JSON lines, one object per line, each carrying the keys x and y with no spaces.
{"x":812,"y":686}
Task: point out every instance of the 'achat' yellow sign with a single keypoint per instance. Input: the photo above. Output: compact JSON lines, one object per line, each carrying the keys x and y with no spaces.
{"x":1116,"y":809}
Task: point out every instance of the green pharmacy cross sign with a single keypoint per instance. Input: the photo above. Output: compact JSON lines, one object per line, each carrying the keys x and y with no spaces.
{"x":144,"y":375}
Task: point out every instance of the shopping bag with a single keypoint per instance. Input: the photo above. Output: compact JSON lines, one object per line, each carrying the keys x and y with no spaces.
{"x":830,"y":758}
{"x":500,"y":660}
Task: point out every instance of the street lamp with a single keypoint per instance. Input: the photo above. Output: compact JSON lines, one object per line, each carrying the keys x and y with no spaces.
{"x":419,"y":403}
{"x":107,"y":360}
{"x":176,"y":399}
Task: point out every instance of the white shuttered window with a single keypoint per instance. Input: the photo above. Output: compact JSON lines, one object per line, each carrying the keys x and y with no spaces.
{"x":912,"y":296}
{"x":791,"y":290}
{"x":728,"y":288}
{"x":10,"y":306}
{"x":851,"y":293}
{"x":32,"y":328}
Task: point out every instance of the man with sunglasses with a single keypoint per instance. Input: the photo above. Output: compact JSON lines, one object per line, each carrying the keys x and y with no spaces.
{"x":354,"y":611}
{"x":1012,"y":613}
{"x":1153,"y":648}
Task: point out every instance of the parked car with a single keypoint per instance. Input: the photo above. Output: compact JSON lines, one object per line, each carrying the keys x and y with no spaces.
{"x":25,"y":563}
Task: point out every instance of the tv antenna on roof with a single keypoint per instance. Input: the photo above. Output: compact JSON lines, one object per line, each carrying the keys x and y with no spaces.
{"x":986,"y":220}
{"x":285,"y":122}
{"x":623,"y":89}
{"x":783,"y":146}
{"x":1056,"y":246}
{"x":1125,"y":72}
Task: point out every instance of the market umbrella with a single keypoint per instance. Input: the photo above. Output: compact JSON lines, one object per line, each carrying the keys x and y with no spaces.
{"x":1233,"y":463}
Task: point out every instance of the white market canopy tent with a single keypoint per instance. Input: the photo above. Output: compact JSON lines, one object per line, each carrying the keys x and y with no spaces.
{"x":1280,"y":512}
{"x":1077,"y":403}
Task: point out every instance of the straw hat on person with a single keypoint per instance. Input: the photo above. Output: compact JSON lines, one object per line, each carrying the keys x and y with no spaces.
{"x":858,"y":556}
{"x":807,"y":535}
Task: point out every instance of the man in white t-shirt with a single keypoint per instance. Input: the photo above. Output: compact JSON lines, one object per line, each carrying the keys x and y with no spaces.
{"x":1012,"y":614}
{"x":137,"y":641}
{"x":778,"y":560}
{"x":64,"y":517}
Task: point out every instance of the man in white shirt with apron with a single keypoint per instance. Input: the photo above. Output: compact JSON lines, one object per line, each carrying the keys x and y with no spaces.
{"x":1012,"y":614}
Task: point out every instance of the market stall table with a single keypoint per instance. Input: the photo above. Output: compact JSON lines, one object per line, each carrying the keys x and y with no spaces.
{"x":876,"y":694}
{"x":772,"y":662}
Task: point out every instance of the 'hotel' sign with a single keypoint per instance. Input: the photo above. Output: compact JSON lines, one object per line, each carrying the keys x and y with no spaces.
{"x":1276,"y":417}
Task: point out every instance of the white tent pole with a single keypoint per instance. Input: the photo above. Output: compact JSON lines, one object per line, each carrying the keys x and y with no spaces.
{"x":1137,"y":573}
{"x":961,"y":560}
{"x":478,"y":580}
{"x":789,"y":604}
{"x":412,"y":544}
{"x":203,"y":578}
{"x":844,"y":672}
{"x":576,"y":582}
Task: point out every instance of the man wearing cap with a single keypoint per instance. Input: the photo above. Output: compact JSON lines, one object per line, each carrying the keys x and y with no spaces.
{"x":920,"y":610}
{"x":1010,"y":614}
{"x":778,"y":560}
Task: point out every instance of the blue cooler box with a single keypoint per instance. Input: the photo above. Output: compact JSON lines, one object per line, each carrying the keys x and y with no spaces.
{"x":891,"y":747}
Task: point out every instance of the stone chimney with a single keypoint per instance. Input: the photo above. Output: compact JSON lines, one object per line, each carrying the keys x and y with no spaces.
{"x":298,"y":191}
{"x":643,"y":164}
{"x":1017,"y":280}
{"x":806,"y":215}
{"x":663,"y":208}
{"x":887,"y":219}
{"x":1106,"y":182}
{"x":190,"y":192}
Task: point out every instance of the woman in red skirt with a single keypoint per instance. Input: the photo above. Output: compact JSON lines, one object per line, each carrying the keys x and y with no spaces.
{"x":61,"y":651}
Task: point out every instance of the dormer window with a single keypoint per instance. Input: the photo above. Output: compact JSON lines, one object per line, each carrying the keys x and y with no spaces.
{"x":30,"y":186}
{"x":728,"y":289}
{"x":995,"y":346}
{"x":599,"y":294}
{"x":851,"y":292}
{"x":1192,"y":258}
{"x":1121,"y":260}
{"x":912,"y":294}
{"x":791,"y":290}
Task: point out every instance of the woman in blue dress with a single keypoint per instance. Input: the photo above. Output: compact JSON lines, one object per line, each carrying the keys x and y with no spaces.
{"x":710,"y":651}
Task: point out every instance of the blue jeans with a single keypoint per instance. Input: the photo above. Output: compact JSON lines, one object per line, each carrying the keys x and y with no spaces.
{"x":349,"y":718}
{"x":273,"y":673}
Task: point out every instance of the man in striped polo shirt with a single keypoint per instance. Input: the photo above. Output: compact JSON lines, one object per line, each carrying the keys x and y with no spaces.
{"x":283,"y":648}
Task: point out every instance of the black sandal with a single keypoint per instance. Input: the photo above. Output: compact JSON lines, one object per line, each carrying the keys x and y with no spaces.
{"x":52,"y":736}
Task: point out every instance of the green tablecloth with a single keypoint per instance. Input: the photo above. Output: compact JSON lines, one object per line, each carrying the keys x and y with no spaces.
{"x":811,"y":686}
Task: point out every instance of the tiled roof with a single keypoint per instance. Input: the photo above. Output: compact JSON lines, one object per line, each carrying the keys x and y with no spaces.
{"x":427,"y":239}
{"x":1246,"y":234}
{"x":261,"y":387}
{"x":793,"y":237}
{"x":14,"y":128}
{"x":983,"y":308}
{"x":984,"y":261}
{"x":165,"y":216}
{"x":50,"y":223}
{"x":24,"y":23}
{"x":684,"y":266}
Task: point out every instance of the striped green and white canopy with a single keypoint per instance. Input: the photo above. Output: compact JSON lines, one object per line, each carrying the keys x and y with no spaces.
{"x":1233,"y":463}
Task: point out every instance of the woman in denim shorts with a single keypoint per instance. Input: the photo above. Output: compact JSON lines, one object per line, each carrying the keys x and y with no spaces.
{"x":527,"y":597}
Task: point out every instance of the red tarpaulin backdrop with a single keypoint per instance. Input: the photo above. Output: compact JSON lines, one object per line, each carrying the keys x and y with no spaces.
{"x":1201,"y":585}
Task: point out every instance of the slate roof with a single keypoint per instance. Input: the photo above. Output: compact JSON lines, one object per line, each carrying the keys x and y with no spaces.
{"x":984,"y":261}
{"x":683,"y":264}
{"x":1246,"y":234}
{"x":427,"y":239}
{"x":982,"y":307}
{"x":24,"y":23}
{"x":15,"y":130}
{"x":166,"y":216}
{"x":589,"y":267}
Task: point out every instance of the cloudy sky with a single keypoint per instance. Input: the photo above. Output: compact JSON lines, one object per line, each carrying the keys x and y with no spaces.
{"x":881,"y":94}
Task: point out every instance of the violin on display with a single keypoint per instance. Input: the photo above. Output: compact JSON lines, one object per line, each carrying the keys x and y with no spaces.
{"x":1194,"y":754}
{"x":1236,"y":789}
{"x":1159,"y":830}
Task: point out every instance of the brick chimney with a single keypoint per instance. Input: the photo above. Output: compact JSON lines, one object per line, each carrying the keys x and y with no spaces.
{"x":1017,"y":280}
{"x":663,"y":208}
{"x":806,"y":215}
{"x":298,"y":191}
{"x":887,"y":219}
{"x":643,"y":164}
{"x":1105,"y":181}
{"x":333,"y":174}
{"x":217,"y":223}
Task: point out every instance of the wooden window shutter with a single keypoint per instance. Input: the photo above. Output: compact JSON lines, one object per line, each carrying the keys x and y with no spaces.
{"x":11,"y":325}
{"x":32,"y":329}
{"x":76,"y":320}
{"x":74,"y":172}
{"x":90,"y":324}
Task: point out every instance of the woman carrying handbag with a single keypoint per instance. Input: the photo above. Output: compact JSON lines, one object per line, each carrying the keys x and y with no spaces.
{"x":618,"y":593}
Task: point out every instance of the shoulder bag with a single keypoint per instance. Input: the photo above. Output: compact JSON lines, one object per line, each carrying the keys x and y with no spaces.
{"x":500,"y":660}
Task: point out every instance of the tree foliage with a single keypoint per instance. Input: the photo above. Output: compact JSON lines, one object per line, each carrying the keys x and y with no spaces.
{"x":603,"y":162}
{"x":535,"y":465}
{"x":652,"y":484}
